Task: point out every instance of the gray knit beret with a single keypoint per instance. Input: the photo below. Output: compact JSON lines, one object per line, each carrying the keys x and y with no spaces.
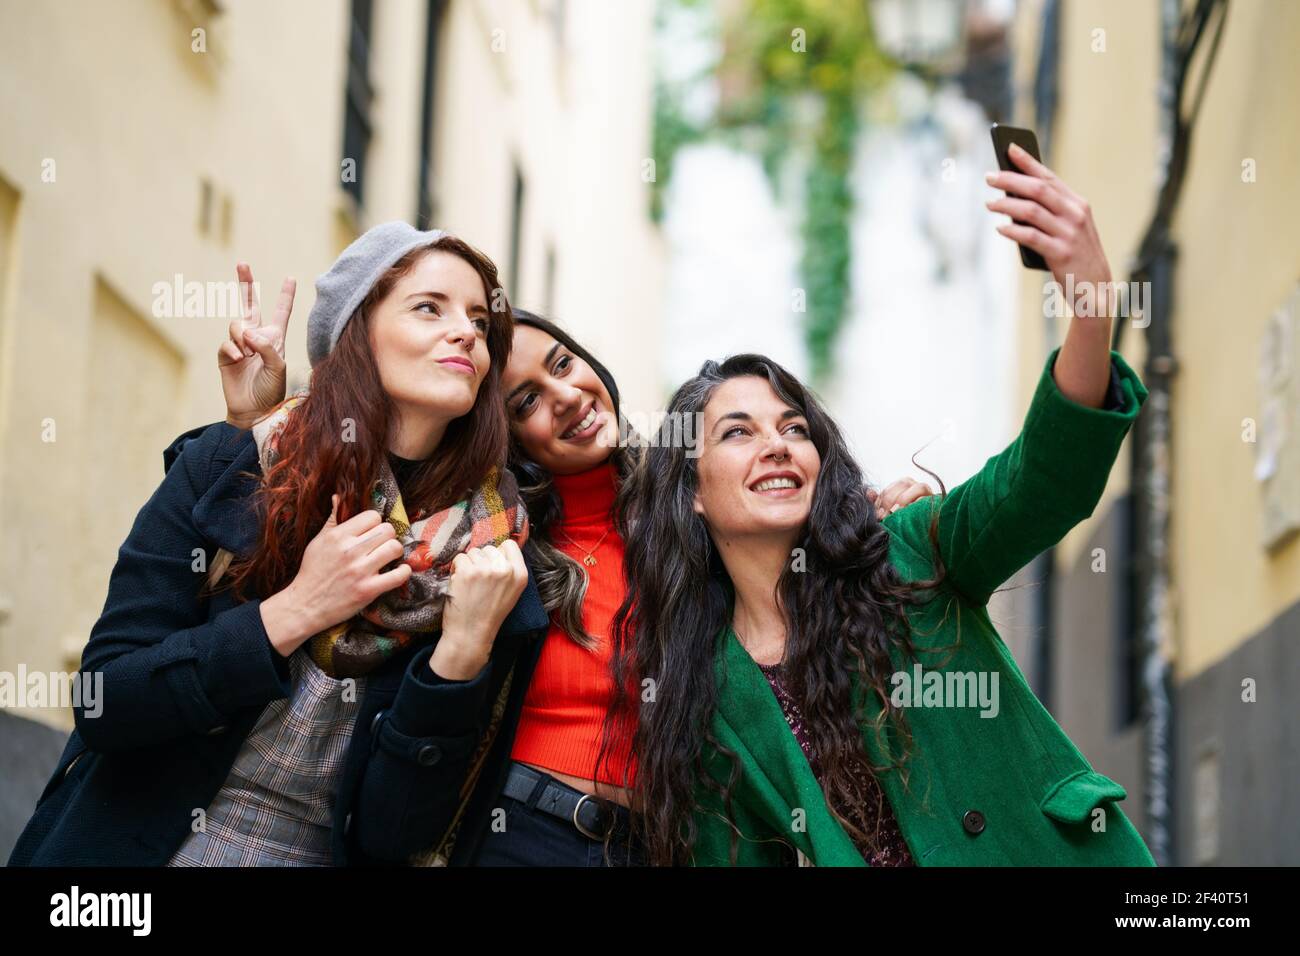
{"x":340,"y":290}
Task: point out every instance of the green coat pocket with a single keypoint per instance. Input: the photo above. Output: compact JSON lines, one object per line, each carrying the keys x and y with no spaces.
{"x":1072,"y":799}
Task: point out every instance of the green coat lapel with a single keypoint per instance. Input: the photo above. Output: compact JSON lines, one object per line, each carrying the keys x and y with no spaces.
{"x":749,"y":719}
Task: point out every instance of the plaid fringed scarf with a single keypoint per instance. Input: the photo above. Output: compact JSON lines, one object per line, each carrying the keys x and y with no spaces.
{"x":390,"y":623}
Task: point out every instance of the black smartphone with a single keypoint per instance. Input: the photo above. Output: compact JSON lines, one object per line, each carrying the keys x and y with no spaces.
{"x":1003,"y":137}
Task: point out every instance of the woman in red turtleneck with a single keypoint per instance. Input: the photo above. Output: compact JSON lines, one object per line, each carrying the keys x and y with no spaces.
{"x":560,"y":725}
{"x":569,"y":776}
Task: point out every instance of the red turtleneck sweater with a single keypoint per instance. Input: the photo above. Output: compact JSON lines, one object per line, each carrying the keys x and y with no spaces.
{"x":564,"y":710}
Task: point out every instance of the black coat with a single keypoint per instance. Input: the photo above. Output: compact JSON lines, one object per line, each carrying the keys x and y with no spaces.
{"x":185,"y":680}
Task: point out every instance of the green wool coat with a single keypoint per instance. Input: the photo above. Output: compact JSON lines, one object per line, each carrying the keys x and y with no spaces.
{"x":1005,"y":790}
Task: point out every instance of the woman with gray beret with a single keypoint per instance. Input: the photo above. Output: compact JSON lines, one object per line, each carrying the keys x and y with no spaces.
{"x":311,"y":619}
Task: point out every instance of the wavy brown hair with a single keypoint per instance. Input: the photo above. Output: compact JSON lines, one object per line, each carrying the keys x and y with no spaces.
{"x":315,"y":462}
{"x":845,"y":611}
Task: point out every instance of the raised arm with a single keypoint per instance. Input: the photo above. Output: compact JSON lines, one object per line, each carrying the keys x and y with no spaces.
{"x":1027,"y":498}
{"x":1052,"y":475}
{"x":1056,"y":222}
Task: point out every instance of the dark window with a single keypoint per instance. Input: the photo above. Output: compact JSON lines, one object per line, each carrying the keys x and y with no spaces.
{"x":516,"y":229}
{"x":424,"y":211}
{"x":1128,"y":613}
{"x":359,"y":95}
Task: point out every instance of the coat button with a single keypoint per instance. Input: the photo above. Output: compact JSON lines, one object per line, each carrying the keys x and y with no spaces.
{"x":973,"y":821}
{"x":374,"y":723}
{"x":429,"y":755}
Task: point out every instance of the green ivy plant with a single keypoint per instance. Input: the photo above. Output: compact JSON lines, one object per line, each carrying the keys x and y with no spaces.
{"x":779,"y":54}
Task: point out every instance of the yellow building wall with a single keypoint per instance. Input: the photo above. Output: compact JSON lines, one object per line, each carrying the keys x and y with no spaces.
{"x":112,"y":126}
{"x":1238,"y":262}
{"x":112,"y":123}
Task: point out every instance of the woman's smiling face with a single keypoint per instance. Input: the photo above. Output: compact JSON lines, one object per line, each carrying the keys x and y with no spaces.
{"x":758,"y":467}
{"x":559,"y":409}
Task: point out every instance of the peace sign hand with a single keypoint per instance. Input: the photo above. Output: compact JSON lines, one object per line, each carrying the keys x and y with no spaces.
{"x":252,"y":359}
{"x":1056,"y":222}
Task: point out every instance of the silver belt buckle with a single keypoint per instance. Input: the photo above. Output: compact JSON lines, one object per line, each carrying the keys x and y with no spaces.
{"x":581,"y":829}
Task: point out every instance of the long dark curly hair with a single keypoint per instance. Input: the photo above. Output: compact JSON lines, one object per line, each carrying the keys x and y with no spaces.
{"x":844,"y":609}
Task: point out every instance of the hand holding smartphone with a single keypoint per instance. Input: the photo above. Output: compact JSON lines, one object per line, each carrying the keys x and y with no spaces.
{"x":1003,"y":137}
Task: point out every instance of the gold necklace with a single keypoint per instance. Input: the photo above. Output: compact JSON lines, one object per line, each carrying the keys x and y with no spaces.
{"x":590,"y":559}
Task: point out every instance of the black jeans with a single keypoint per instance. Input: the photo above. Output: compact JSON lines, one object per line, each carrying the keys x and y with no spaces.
{"x":527,"y":836}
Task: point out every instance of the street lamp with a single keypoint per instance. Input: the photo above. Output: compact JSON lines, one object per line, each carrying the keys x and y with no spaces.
{"x":919,"y":33}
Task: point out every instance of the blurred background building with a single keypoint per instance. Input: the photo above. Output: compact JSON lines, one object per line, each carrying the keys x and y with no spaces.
{"x":681,"y":179}
{"x":160,"y":141}
{"x":1176,"y":669}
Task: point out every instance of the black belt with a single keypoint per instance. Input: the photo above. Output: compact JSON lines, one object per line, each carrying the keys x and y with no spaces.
{"x":593,"y":817}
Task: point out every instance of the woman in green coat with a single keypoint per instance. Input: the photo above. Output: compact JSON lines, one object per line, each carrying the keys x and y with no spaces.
{"x":822,"y":685}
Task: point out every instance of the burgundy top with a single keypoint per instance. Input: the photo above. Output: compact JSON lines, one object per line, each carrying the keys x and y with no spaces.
{"x":875,"y":815}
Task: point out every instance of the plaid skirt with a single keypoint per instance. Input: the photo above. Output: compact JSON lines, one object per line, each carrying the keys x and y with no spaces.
{"x":276,"y":807}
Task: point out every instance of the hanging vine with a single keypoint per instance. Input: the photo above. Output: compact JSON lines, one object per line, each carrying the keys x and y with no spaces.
{"x":799,"y":51}
{"x":778,"y":57}
{"x":827,"y":249}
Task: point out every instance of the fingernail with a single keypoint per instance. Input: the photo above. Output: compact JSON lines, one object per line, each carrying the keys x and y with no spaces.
{"x":1016,"y":147}
{"x":989,"y":177}
{"x":895,"y":508}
